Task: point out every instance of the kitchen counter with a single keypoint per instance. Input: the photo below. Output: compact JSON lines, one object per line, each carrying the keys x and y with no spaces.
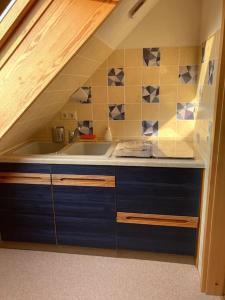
{"x":176,"y":154}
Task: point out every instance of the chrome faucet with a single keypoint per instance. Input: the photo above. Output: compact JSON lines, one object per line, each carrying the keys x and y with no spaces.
{"x":74,"y":135}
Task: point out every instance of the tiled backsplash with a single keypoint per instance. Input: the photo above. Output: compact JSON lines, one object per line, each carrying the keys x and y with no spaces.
{"x":139,"y":92}
{"x":207,"y":92}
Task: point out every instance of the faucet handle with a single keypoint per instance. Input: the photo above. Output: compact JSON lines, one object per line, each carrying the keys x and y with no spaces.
{"x":73,"y":135}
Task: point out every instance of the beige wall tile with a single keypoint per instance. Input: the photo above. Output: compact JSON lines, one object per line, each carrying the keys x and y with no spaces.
{"x":187,"y":92}
{"x":168,"y":93}
{"x":99,"y":128}
{"x":210,"y":48}
{"x":133,"y":94}
{"x":169,"y":75}
{"x":133,"y":76}
{"x":167,"y":111}
{"x":99,"y":94}
{"x":133,"y":58}
{"x":133,"y":111}
{"x":100,"y":112}
{"x":84,"y":112}
{"x":168,"y":128}
{"x":150,"y":75}
{"x":116,"y":94}
{"x":203,"y":74}
{"x":185,"y":128}
{"x":189,"y":56}
{"x":99,"y":78}
{"x":150,"y":111}
{"x":116,"y":59}
{"x":132,"y":129}
{"x":217,"y":43}
{"x":169,"y":56}
{"x":117,"y":128}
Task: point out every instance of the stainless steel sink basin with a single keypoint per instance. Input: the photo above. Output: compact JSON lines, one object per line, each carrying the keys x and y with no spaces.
{"x":87,"y":149}
{"x":35,"y":148}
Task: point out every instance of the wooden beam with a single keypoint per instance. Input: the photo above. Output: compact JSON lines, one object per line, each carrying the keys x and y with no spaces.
{"x":60,"y":31}
{"x":157,"y":220}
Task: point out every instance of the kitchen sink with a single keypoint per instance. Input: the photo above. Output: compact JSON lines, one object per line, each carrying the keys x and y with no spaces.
{"x":35,"y":148}
{"x":85,"y":148}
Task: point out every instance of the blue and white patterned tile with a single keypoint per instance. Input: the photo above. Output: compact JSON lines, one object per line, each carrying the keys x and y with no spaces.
{"x":151,"y":57}
{"x":211,"y":69}
{"x":85,"y":127}
{"x":188,"y":74}
{"x":150,"y":128}
{"x":116,"y":112}
{"x":186,"y":111}
{"x":150,"y":93}
{"x":82,"y":95}
{"x":116,"y":77}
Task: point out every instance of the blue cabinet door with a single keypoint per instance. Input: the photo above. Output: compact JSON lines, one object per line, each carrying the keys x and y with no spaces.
{"x":85,"y":215}
{"x":166,"y":191}
{"x":26,"y":210}
{"x":158,"y":191}
{"x":157,"y":238}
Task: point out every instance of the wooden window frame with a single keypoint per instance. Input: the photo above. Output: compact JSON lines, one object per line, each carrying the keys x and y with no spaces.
{"x":14,"y":16}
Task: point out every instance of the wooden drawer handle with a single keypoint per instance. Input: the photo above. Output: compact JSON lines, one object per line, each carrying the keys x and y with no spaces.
{"x":25,"y":178}
{"x":160,"y":220}
{"x":83,"y":180}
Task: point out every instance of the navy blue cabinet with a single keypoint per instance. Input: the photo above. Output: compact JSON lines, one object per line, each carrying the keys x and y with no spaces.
{"x":151,"y":209}
{"x":26,"y":212}
{"x":162,"y":192}
{"x":169,"y":191}
{"x":84,"y":202}
{"x":157,"y":238}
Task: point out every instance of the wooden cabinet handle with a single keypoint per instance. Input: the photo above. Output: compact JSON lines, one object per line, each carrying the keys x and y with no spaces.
{"x":25,"y":178}
{"x":83,"y":180}
{"x":160,"y":220}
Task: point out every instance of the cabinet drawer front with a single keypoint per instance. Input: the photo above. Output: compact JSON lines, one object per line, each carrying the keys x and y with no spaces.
{"x":83,"y":170}
{"x":158,"y":190}
{"x":157,"y":238}
{"x":85,"y":232}
{"x":84,"y":202}
{"x":25,"y":168}
{"x":27,"y":228}
{"x":26,"y":199}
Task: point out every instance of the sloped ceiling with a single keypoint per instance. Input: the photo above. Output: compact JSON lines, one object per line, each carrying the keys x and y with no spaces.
{"x":76,"y":72}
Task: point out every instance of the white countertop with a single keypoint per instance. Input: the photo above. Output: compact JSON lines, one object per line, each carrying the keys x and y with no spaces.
{"x":169,"y":148}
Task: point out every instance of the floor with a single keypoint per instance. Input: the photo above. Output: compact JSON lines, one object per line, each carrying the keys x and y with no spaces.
{"x":41,"y":275}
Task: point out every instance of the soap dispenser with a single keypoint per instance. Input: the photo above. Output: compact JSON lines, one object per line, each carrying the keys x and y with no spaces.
{"x":108,"y":135}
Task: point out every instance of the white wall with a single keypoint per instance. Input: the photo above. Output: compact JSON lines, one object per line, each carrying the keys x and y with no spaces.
{"x":169,"y":23}
{"x":211,"y":17}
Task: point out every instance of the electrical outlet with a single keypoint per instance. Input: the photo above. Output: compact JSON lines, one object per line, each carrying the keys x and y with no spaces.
{"x":64,"y":115}
{"x":72,"y":115}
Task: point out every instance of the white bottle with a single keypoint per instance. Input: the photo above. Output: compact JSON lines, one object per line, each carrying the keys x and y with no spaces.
{"x":108,"y":135}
